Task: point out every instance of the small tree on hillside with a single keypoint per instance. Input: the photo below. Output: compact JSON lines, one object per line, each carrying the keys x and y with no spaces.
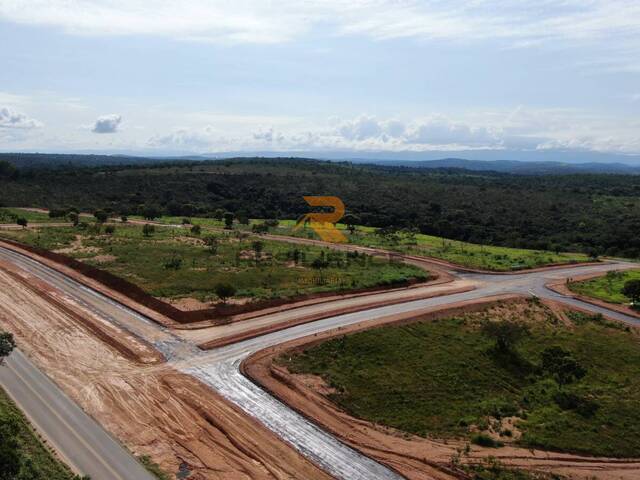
{"x":74,"y":218}
{"x":243,"y":218}
{"x":257,"y":247}
{"x":559,"y":363}
{"x":218,"y":214}
{"x":631,"y":290}
{"x":350,"y":221}
{"x":224,"y":291}
{"x":148,"y":229}
{"x":228,"y":220}
{"x":101,"y":216}
{"x":211,"y":242}
{"x":196,"y":230}
{"x":150,"y":212}
{"x":7,"y":344}
{"x":22,"y":222}
{"x":505,"y":334}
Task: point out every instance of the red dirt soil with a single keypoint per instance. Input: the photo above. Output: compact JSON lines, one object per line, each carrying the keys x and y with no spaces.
{"x":414,"y":457}
{"x":152,"y":409}
{"x":168,"y":314}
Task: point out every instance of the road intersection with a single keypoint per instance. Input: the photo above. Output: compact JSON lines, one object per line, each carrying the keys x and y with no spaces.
{"x":220,"y":368}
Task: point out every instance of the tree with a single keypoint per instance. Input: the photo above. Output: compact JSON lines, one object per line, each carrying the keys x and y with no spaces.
{"x":101,"y":216}
{"x":57,"y":213}
{"x":211,"y":242}
{"x":561,"y":365}
{"x":10,"y":458}
{"x":7,"y":344}
{"x":196,"y":230}
{"x":257,"y":247}
{"x":124,"y":218}
{"x":218,"y":214}
{"x":505,"y":334}
{"x":224,"y":291}
{"x":74,"y":218}
{"x":350,"y":221}
{"x":148,"y":229}
{"x":228,"y":220}
{"x":260,"y":228}
{"x":110,"y":229}
{"x":631,"y":290}
{"x":22,"y":222}
{"x":150,"y":212}
{"x":243,"y":218}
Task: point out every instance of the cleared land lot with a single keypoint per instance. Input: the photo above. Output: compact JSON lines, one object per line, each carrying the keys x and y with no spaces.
{"x":570,"y":385}
{"x":175,"y":264}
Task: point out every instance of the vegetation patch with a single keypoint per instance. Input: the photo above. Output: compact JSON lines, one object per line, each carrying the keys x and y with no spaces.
{"x":462,"y":253}
{"x":492,"y":469}
{"x":11,"y":215}
{"x":610,"y":287}
{"x":23,"y":455}
{"x":514,"y":373}
{"x":405,"y":241}
{"x":175,"y":263}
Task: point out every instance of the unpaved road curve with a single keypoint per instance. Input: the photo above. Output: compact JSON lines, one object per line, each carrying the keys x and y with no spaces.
{"x":79,"y":439}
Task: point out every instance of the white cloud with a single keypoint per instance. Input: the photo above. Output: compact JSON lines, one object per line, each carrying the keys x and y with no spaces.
{"x":107,"y":124}
{"x":523,"y":23}
{"x":185,"y":139}
{"x":9,"y":118}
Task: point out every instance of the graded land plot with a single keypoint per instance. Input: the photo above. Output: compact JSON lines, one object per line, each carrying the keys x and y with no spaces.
{"x":607,"y":287}
{"x":25,"y":457}
{"x":567,"y":382}
{"x":176,"y":264}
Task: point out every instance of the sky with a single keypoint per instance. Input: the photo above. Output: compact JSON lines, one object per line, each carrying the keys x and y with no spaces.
{"x":504,"y":79}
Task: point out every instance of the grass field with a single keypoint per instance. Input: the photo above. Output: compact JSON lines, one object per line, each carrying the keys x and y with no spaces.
{"x":462,"y":253}
{"x":10,"y":215}
{"x":174,"y":263}
{"x":445,"y":378}
{"x":607,"y":287}
{"x":36,"y":461}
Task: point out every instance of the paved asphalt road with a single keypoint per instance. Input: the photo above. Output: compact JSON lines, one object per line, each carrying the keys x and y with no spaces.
{"x":83,"y":444}
{"x":220,"y":368}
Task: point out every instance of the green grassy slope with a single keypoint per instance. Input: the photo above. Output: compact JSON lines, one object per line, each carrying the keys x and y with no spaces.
{"x":443,"y":378}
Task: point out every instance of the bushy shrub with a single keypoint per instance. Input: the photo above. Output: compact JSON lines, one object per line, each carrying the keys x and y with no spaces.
{"x":485,"y":440}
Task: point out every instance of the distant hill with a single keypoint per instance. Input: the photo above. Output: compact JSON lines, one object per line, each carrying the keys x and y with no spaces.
{"x":512,"y":166}
{"x":36,"y":160}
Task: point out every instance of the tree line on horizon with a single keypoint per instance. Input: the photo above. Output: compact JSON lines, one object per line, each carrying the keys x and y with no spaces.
{"x":597,"y":214}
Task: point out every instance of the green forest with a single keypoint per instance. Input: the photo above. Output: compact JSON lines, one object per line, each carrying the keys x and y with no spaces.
{"x":597,"y":214}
